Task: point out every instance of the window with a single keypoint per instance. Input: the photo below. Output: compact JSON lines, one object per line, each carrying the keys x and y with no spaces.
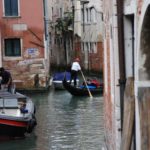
{"x":83,"y":47}
{"x":12,"y":47}
{"x":55,"y":41}
{"x":11,"y":7}
{"x":87,"y":15}
{"x":82,"y":12}
{"x":52,"y":12}
{"x":93,"y":15}
{"x":87,"y":47}
{"x":60,"y":13}
{"x":95,"y":47}
{"x":91,"y":47}
{"x":61,"y":40}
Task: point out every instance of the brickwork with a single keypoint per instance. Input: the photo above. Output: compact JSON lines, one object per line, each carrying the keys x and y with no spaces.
{"x":95,"y":59}
{"x":30,"y":29}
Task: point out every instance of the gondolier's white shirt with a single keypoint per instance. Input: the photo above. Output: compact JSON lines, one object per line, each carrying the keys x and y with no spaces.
{"x":75,"y":66}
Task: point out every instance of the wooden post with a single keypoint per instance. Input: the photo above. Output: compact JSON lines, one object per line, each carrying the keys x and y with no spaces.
{"x":144,"y":105}
{"x":128,"y":116}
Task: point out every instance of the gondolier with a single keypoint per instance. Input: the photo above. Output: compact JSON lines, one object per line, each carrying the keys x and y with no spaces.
{"x":74,"y":71}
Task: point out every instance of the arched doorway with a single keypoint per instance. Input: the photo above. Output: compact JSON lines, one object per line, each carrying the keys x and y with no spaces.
{"x":142,"y":84}
{"x":144,"y":52}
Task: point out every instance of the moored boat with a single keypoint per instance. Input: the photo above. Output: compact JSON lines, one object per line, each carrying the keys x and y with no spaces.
{"x":58,"y":78}
{"x":82,"y":90}
{"x":17,"y":115}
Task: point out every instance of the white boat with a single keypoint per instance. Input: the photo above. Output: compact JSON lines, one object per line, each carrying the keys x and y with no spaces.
{"x":17,"y":115}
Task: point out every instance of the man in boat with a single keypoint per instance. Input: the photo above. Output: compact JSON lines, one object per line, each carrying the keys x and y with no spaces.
{"x":23,"y":107}
{"x":92,"y":82}
{"x":74,"y":70}
{"x":6,"y":81}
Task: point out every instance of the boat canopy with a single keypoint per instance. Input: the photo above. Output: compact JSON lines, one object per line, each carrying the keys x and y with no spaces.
{"x":60,"y":76}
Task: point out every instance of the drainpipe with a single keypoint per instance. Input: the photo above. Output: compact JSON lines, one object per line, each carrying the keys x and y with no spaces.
{"x":0,"y":51}
{"x":122,"y":79}
{"x":46,"y":25}
{"x":47,"y":40}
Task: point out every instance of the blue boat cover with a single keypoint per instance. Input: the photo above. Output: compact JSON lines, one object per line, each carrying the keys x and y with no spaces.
{"x":89,"y":86}
{"x":60,"y":76}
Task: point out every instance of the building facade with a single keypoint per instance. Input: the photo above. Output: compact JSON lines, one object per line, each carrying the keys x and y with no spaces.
{"x":126,"y":55}
{"x":81,"y":37}
{"x":24,"y":50}
{"x":112,"y":120}
{"x":61,"y":32}
{"x":92,"y":34}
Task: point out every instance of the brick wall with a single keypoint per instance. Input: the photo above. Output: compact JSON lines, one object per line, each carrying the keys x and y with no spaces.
{"x":95,"y":59}
{"x":29,"y":28}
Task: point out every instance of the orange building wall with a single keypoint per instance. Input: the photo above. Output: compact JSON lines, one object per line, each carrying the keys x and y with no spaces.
{"x":27,"y":66}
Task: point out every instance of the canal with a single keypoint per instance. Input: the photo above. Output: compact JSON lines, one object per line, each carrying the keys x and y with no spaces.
{"x":64,"y":123}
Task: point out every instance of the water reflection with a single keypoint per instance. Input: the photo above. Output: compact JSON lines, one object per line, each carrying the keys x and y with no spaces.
{"x":64,"y":123}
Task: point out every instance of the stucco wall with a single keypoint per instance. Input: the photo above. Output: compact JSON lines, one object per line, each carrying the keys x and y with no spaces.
{"x":111,"y":77}
{"x":139,"y":10}
{"x":29,"y":27}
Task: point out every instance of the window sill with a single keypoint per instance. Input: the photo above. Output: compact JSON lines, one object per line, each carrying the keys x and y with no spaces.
{"x":11,"y":58}
{"x":11,"y":17}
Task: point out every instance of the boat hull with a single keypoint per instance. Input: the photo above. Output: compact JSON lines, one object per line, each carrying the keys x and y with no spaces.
{"x":77,"y":91}
{"x":58,"y":79}
{"x":58,"y":85}
{"x":12,"y":131}
{"x":14,"y":128}
{"x":17,"y":115}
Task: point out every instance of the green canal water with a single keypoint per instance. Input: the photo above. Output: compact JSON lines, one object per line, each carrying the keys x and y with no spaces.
{"x":64,"y":122}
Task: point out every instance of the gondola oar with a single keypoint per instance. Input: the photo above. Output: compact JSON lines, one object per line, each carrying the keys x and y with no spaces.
{"x":86,"y":85}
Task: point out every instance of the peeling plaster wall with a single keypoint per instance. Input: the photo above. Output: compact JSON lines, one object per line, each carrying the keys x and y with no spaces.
{"x":140,"y":9}
{"x":92,"y":30}
{"x":142,"y":74}
{"x":111,"y":76}
{"x":59,"y":57}
{"x":29,"y":27}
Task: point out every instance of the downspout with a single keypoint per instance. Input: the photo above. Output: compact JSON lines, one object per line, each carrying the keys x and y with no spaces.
{"x":47,"y":40}
{"x":46,"y":24}
{"x":122,"y":79}
{"x":0,"y":50}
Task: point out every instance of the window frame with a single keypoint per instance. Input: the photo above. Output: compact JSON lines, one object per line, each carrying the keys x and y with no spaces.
{"x":11,"y":56}
{"x":12,"y":16}
{"x":95,"y":47}
{"x":82,"y":47}
{"x":93,"y":15}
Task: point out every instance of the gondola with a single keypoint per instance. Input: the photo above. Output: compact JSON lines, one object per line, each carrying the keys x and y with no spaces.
{"x":81,"y":91}
{"x":58,"y":77}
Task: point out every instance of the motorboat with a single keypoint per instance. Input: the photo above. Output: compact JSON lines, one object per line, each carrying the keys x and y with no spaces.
{"x":17,"y":114}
